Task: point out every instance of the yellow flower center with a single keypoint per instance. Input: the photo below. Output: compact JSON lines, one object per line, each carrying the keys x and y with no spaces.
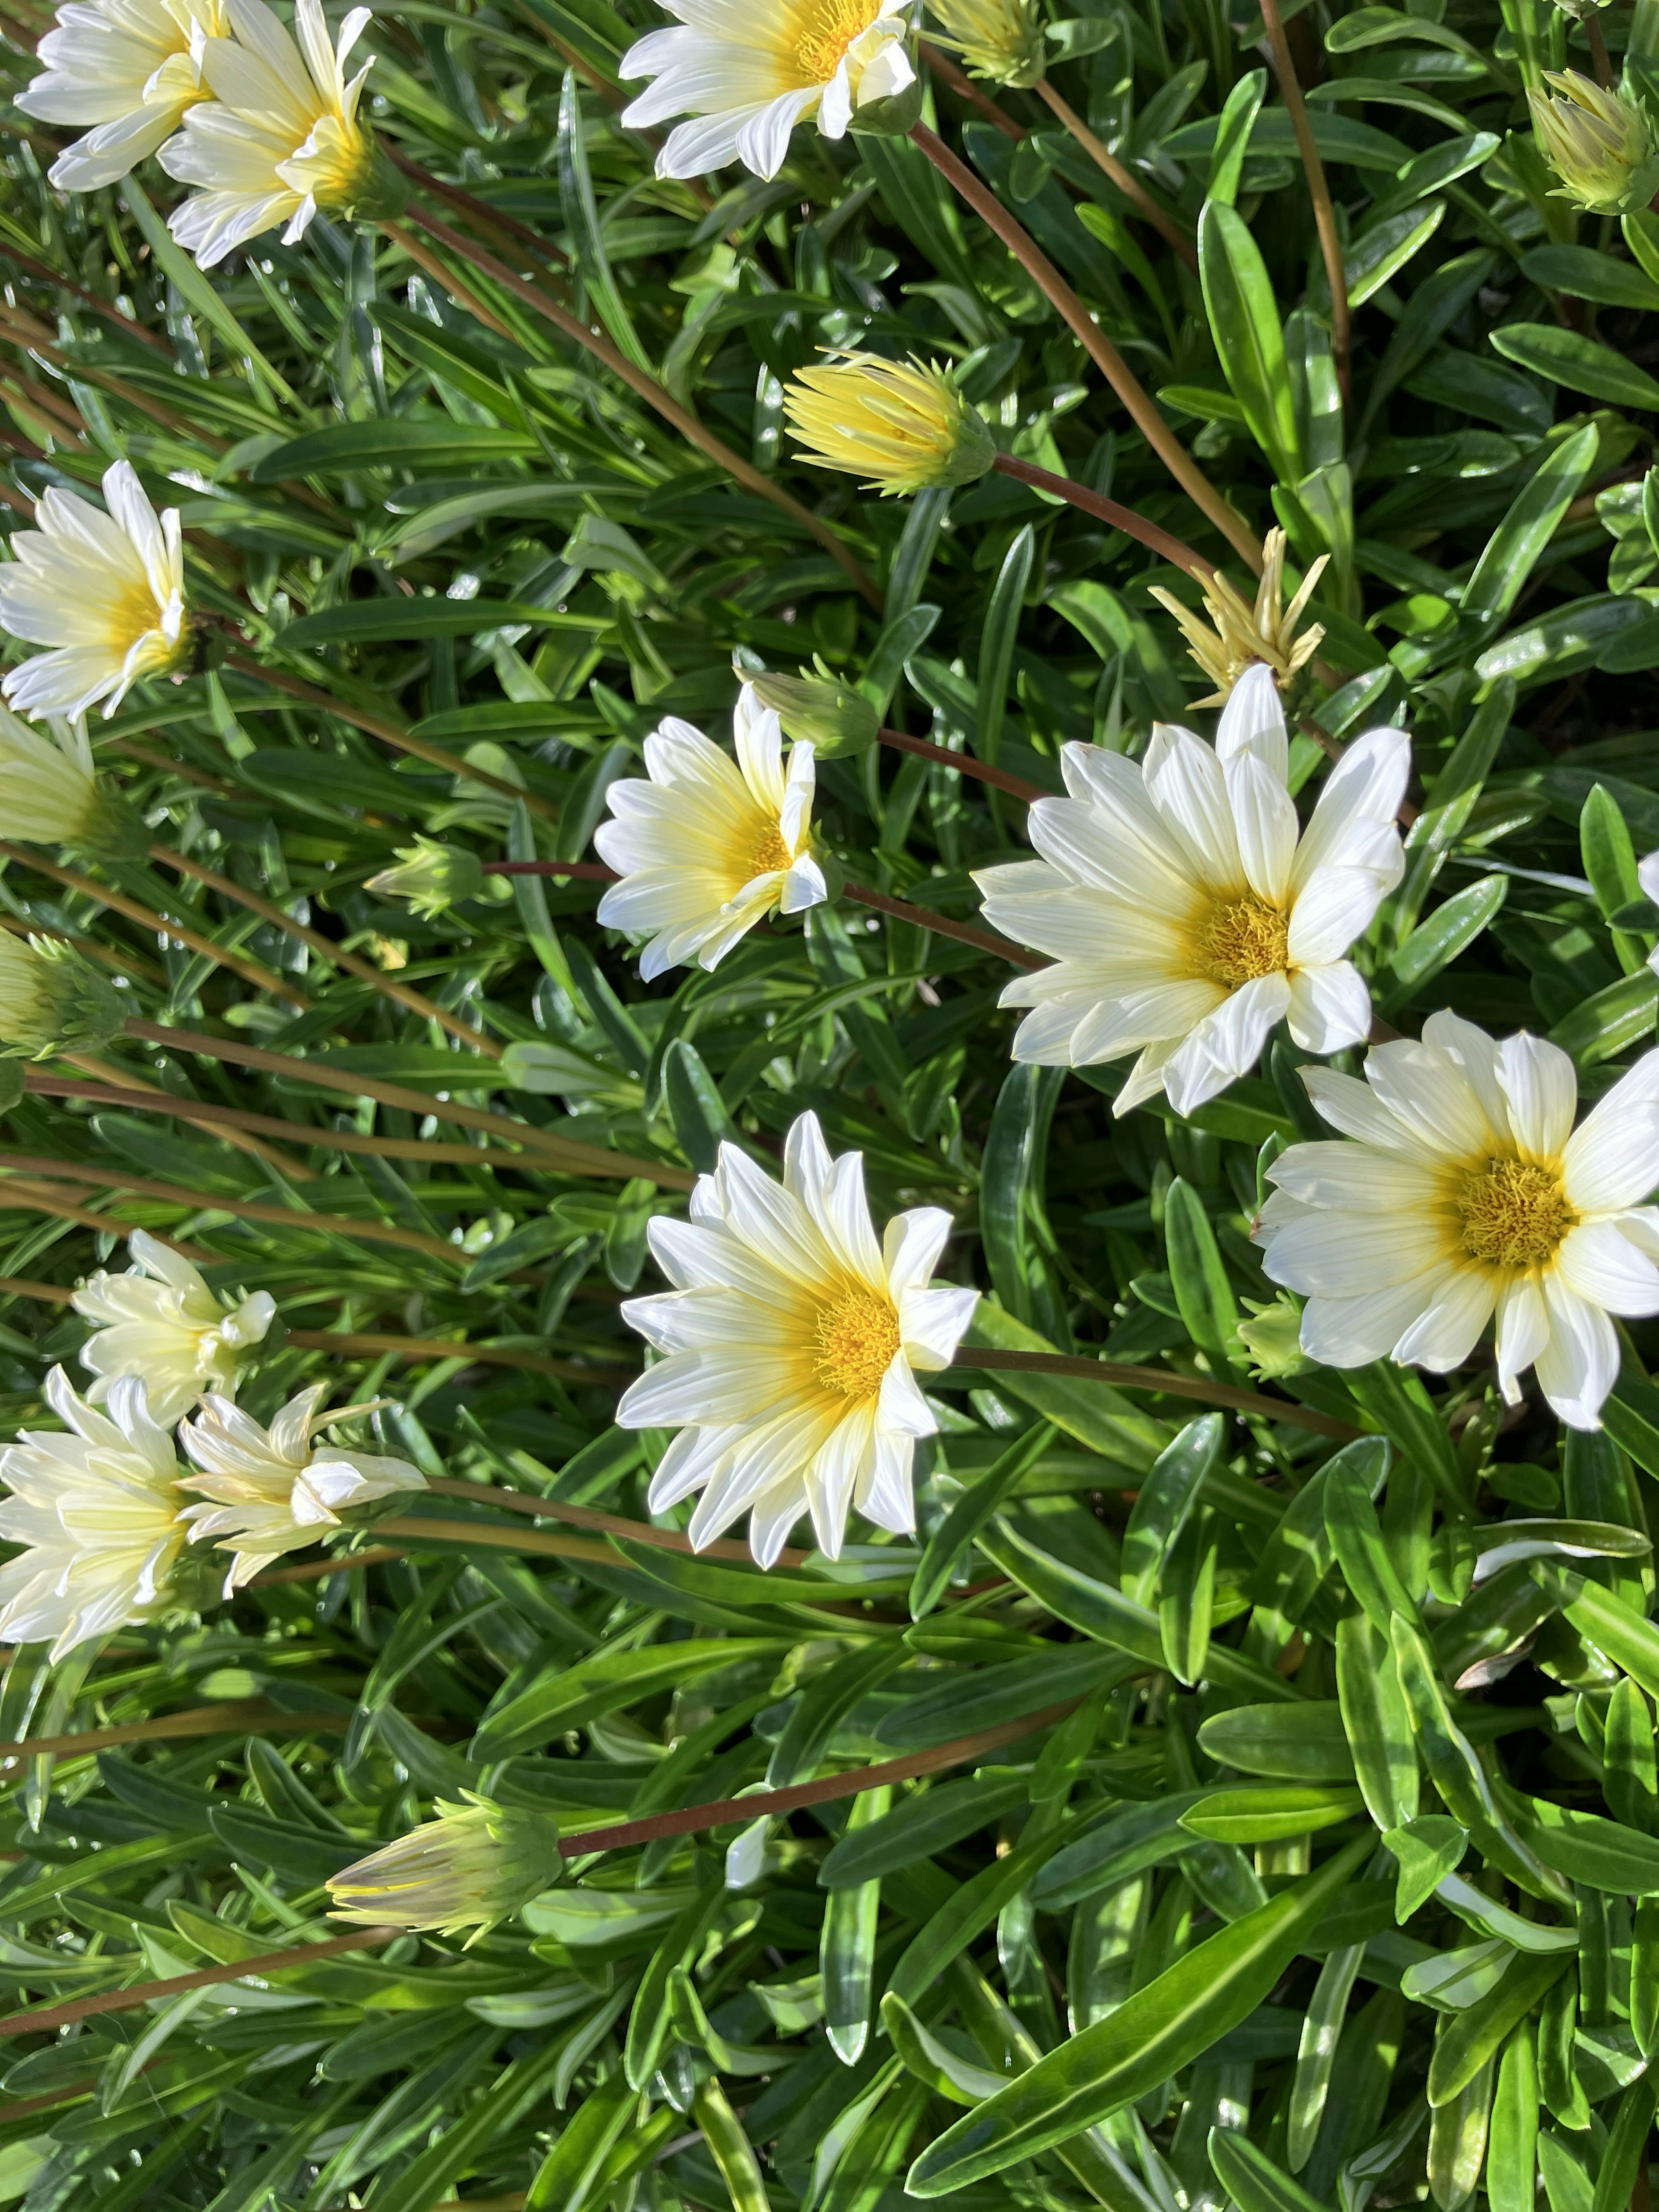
{"x":857,"y":1335}
{"x":1240,"y":939}
{"x":1515,"y":1214}
{"x":767,"y":852}
{"x":823,"y":30}
{"x":133,"y":614}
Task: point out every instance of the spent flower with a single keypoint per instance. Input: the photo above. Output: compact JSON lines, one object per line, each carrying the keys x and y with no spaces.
{"x":792,"y":1341}
{"x":160,"y":1320}
{"x":1598,"y":142}
{"x":1467,"y":1194}
{"x":1186,"y":909}
{"x":1242,"y":635}
{"x":999,"y":40}
{"x":127,"y":69}
{"x":903,"y":426}
{"x":474,"y":1866}
{"x":749,"y":70}
{"x":707,"y":846}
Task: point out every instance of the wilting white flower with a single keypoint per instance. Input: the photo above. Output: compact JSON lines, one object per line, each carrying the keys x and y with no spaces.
{"x":794,"y":1342}
{"x":749,"y":70}
{"x":279,"y":139}
{"x":268,"y":1490}
{"x":105,"y":592}
{"x":708,"y":846}
{"x":124,"y":67}
{"x":1469,"y":1193}
{"x":1187,"y":914}
{"x":473,"y":1866}
{"x":160,"y":1320}
{"x":98,"y":1510}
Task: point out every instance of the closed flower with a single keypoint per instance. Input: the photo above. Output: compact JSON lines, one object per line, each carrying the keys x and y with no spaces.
{"x":160,"y":1320}
{"x":473,"y":1866}
{"x":53,"y":1001}
{"x":903,"y":426}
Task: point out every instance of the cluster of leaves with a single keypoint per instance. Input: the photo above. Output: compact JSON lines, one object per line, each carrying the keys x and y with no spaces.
{"x":469,"y":568}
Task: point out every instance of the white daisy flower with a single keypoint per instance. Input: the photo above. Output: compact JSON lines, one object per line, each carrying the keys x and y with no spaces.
{"x":749,"y":70}
{"x":707,"y":847}
{"x":1469,"y":1194}
{"x":98,"y":1511}
{"x":1187,"y":912}
{"x":159,"y":1320}
{"x":105,"y":592}
{"x":126,"y":68}
{"x":793,"y":1340}
{"x":268,"y":1490}
{"x":279,"y":139}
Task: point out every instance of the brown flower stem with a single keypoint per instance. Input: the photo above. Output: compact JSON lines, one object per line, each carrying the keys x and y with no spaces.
{"x":1127,"y":182}
{"x":609,"y":1524}
{"x":50,"y":2018}
{"x":654,"y":395}
{"x":586,"y":871}
{"x":824,"y":1791}
{"x":1600,"y":60}
{"x":35,"y":1198}
{"x":559,"y":1155}
{"x":1330,"y":242}
{"x":507,"y":228}
{"x":457,"y":287}
{"x":49,"y":1294}
{"x":535,"y":1543}
{"x":1094,"y":342}
{"x":964,"y":88}
{"x":118,"y":963}
{"x":107,"y":308}
{"x":924,"y":917}
{"x":131,"y":1091}
{"x":1158,"y":1378}
{"x":433,"y":1347}
{"x":964,"y":763}
{"x":415,"y":1002}
{"x":318,"y":1571}
{"x":390,"y":733}
{"x":235,"y":1716}
{"x":1179,"y":555}
{"x":251,"y":971}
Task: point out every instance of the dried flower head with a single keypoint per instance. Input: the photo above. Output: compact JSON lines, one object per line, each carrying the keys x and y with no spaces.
{"x":1242,"y":634}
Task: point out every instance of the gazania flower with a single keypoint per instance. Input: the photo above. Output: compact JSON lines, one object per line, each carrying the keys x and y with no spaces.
{"x":281,"y":137}
{"x":124,"y":67}
{"x":1469,"y":1194}
{"x":707,"y":847}
{"x":901,"y":425}
{"x":53,"y":1001}
{"x":160,"y":1320}
{"x":105,"y":592}
{"x":472,"y":1867}
{"x":97,"y":1510}
{"x":268,"y":1490}
{"x":1243,"y":634}
{"x":1187,"y":914}
{"x":749,"y":70}
{"x":793,"y":1340}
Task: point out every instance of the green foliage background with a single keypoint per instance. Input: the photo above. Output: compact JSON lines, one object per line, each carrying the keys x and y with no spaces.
{"x":461,"y":526}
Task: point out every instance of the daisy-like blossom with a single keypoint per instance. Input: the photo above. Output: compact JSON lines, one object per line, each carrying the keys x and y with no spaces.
{"x":901,"y":425}
{"x":269,"y":1491}
{"x":707,"y":846}
{"x":160,"y":1320}
{"x":126,"y":68}
{"x":792,"y":1342}
{"x":105,"y":592}
{"x":97,"y":1511}
{"x":279,"y":139}
{"x":472,"y":1867}
{"x":1468,"y":1193}
{"x":1244,"y":635}
{"x":749,"y":70}
{"x":1186,"y":912}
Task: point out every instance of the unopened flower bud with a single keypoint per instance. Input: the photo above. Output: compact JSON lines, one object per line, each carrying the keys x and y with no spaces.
{"x":1001,"y":40}
{"x":903,"y":426}
{"x":816,"y":711}
{"x":50,"y":794}
{"x":432,"y":877}
{"x":1272,"y":1339}
{"x":1598,"y":142}
{"x":51,"y":1001}
{"x":477,"y":1865}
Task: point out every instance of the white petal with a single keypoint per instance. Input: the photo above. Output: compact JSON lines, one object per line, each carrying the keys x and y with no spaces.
{"x":1265,"y":814}
{"x":1252,"y":721}
{"x":1523,"y":1330}
{"x":1330,"y":1006}
{"x":1541,"y":1086}
{"x":1226,"y":1044}
{"x":1580,"y":1363}
{"x":1612,"y":1160}
{"x":1444,"y":1333}
{"x":1600,"y":1263}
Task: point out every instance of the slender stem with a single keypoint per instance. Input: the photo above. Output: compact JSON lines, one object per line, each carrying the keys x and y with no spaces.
{"x":251,"y":971}
{"x":1105,"y":355}
{"x":1159,"y":1378}
{"x":318,"y":1571}
{"x":120,"y":963}
{"x":104,"y":308}
{"x":415,"y":1002}
{"x":49,"y":1294}
{"x":390,"y":733}
{"x":964,"y":88}
{"x":126,"y":1089}
{"x":565,"y":1155}
{"x":924,"y":917}
{"x":414,"y":1529}
{"x":507,"y":227}
{"x":610,"y":1524}
{"x":1173,"y":550}
{"x":1127,"y":182}
{"x":433,"y":1347}
{"x":964,"y":763}
{"x":1600,"y":61}
{"x":1330,"y":242}
{"x":654,"y":394}
{"x":586,"y":871}
{"x":235,"y":1716}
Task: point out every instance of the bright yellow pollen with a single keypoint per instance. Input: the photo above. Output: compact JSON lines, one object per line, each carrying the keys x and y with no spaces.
{"x":857,"y":1336}
{"x":767,"y":852}
{"x":133,"y":615}
{"x":1242,"y":939}
{"x":1515,"y":1214}
{"x":823,"y":30}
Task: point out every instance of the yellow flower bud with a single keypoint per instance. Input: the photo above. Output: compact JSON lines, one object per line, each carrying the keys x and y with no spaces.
{"x":1001,"y":40}
{"x":901,"y":426}
{"x":1598,"y":142}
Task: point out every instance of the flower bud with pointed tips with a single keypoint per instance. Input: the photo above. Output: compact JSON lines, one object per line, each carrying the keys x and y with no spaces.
{"x":51,"y":1001}
{"x":1598,"y":142}
{"x":1272,"y":1339}
{"x":432,"y":877}
{"x":1000,"y":39}
{"x":816,"y":711}
{"x":50,"y":793}
{"x":903,"y":426}
{"x":473,"y":1867}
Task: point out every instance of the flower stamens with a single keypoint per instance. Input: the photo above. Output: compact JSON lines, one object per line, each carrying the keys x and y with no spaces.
{"x":1515,"y":1214}
{"x":856,"y":1338}
{"x":1243,"y":938}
